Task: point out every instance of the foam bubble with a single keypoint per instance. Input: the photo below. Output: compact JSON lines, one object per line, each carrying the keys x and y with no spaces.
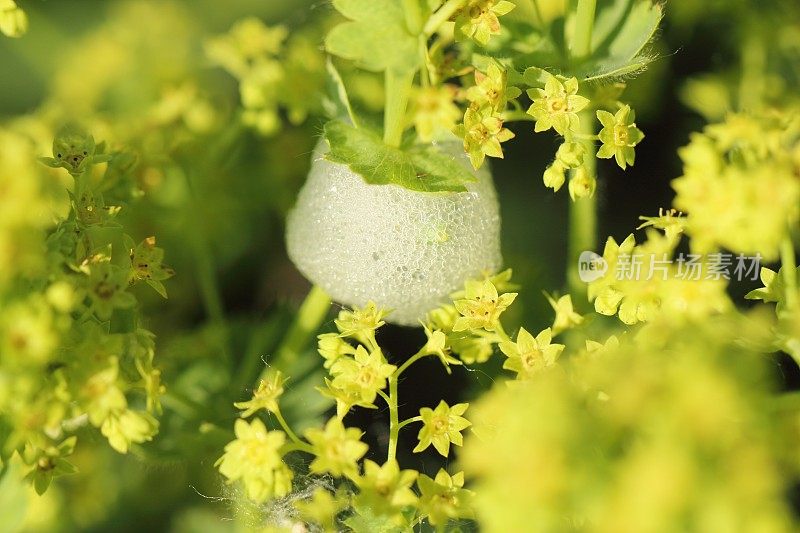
{"x":405,"y":250}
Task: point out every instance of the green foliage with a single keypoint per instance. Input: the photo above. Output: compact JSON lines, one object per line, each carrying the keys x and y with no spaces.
{"x":418,"y":168}
{"x":376,"y":37}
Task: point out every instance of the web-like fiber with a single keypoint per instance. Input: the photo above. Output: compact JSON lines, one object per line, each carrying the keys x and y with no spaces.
{"x":404,"y":250}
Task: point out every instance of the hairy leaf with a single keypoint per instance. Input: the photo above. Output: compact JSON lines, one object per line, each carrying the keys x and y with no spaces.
{"x":376,"y":37}
{"x":419,"y":168}
{"x":625,"y":28}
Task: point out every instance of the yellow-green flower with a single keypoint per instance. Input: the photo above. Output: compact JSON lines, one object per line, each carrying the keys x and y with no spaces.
{"x":123,"y":428}
{"x":48,"y":462}
{"x":365,"y":374}
{"x":345,"y":398}
{"x":13,"y":20}
{"x":102,"y":395}
{"x":491,"y":89}
{"x":566,"y":317}
{"x":478,"y":20}
{"x":439,"y":346}
{"x":434,"y":111}
{"x":619,"y":135}
{"x":255,"y":458}
{"x":529,"y":356}
{"x":441,"y":426}
{"x":482,"y":132}
{"x":582,"y":184}
{"x":557,"y":105}
{"x":774,"y":289}
{"x":337,"y":449}
{"x":444,"y":497}
{"x":332,"y":346}
{"x":554,"y":176}
{"x":265,"y":396}
{"x":321,"y":509}
{"x":481,"y":307}
{"x":571,"y":154}
{"x":385,"y":489}
{"x":360,"y":324}
{"x":147,"y":264}
{"x":473,"y":347}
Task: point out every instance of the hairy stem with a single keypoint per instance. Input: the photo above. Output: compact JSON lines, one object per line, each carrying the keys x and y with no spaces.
{"x":582,"y":214}
{"x":789,"y":264}
{"x":581,"y":45}
{"x":398,"y":91}
{"x":309,"y":317}
{"x":394,"y":418}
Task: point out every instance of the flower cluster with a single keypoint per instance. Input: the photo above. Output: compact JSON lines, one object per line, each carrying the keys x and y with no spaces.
{"x":482,"y":128}
{"x":383,"y":494}
{"x":478,"y":19}
{"x":671,"y":407}
{"x":72,"y":352}
{"x":274,"y":71}
{"x":739,"y":186}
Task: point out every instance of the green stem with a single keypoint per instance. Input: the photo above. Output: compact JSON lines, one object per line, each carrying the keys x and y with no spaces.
{"x":408,"y":421}
{"x":297,"y":447}
{"x":581,"y":45}
{"x":413,"y":12}
{"x":291,"y":434}
{"x":309,"y":317}
{"x":394,"y":418}
{"x":411,"y":360}
{"x":392,"y":401}
{"x":425,"y":70}
{"x":442,"y":15}
{"x":752,"y":84}
{"x":789,"y":264}
{"x":517,"y":116}
{"x":582,"y":214}
{"x":398,"y":91}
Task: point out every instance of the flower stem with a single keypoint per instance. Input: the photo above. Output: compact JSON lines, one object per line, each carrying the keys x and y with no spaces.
{"x":394,"y":418}
{"x":442,"y":15}
{"x":789,"y":264}
{"x":581,"y":45}
{"x":408,"y":421}
{"x":582,"y":214}
{"x":291,"y":434}
{"x":392,"y":401}
{"x":398,"y":91}
{"x":411,"y":360}
{"x":312,"y":312}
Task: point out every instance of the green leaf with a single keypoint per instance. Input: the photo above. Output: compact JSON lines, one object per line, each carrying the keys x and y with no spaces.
{"x":336,"y":102}
{"x":13,"y":497}
{"x":376,"y":37}
{"x":620,"y":51}
{"x":418,"y":168}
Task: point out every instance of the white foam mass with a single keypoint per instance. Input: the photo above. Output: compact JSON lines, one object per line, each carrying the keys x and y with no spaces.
{"x":404,"y":250}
